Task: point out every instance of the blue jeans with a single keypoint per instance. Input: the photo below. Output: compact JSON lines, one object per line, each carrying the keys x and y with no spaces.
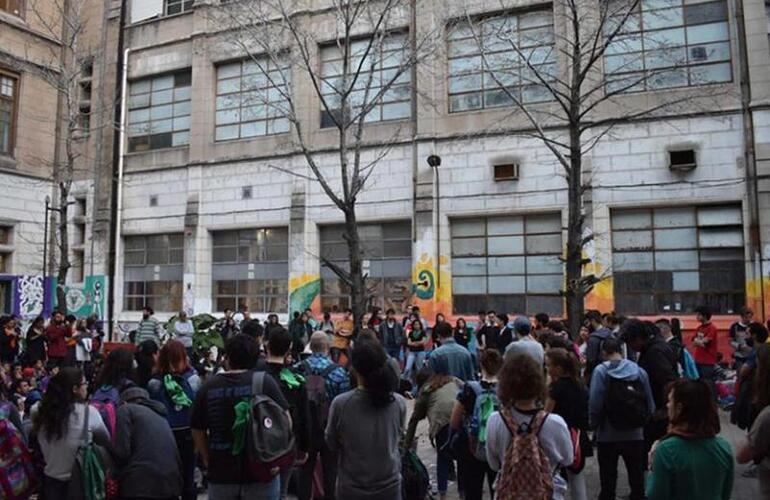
{"x":442,"y":461}
{"x":414,"y":362}
{"x":248,"y":491}
{"x":394,"y":352}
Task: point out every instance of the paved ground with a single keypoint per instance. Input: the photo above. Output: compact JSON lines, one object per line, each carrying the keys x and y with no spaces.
{"x":744,"y":488}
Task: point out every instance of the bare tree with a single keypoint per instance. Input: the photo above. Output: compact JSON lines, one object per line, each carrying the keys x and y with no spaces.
{"x":358,"y":59}
{"x":571,"y":74}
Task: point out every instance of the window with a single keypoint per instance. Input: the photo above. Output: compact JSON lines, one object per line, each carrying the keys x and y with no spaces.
{"x":509,"y":263}
{"x":15,"y":7}
{"x":84,"y":99}
{"x":172,"y":7}
{"x":251,"y":99}
{"x":251,"y":267}
{"x":5,"y":250}
{"x":669,"y":260}
{"x":153,"y":270}
{"x":387,"y":249}
{"x":477,"y":82}
{"x":667,"y":43}
{"x":386,"y":67}
{"x":8,"y":100}
{"x":159,"y":112}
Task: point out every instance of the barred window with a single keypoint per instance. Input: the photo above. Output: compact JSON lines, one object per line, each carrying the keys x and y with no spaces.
{"x":670,"y":260}
{"x":386,"y":66}
{"x":485,"y":67}
{"x":509,"y":263}
{"x":251,"y":267}
{"x":153,"y":267}
{"x":159,"y":112}
{"x":667,"y":43}
{"x":251,"y":99}
{"x":387,"y":249}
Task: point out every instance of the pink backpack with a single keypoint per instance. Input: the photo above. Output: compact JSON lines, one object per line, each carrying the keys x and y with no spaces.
{"x":526,"y":472}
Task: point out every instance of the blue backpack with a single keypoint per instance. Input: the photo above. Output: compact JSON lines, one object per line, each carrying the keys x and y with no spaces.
{"x":178,"y":416}
{"x":689,"y":370}
{"x":486,"y":404}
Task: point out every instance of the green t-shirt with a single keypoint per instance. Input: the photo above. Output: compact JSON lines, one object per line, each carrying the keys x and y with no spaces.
{"x":691,"y":468}
{"x":417,"y":336}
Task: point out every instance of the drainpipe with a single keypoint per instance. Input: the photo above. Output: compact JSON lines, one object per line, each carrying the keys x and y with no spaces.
{"x":755,"y":237}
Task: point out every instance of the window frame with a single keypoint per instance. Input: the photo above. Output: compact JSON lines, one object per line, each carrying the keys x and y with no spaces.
{"x":6,"y":248}
{"x":14,"y":123}
{"x":132,"y":149}
{"x":658,"y":295}
{"x":175,"y":243}
{"x":184,"y":7}
{"x":5,"y":7}
{"x":525,"y":254}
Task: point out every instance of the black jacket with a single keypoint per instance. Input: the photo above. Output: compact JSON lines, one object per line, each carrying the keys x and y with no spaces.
{"x":299,"y":407}
{"x":659,"y":361}
{"x":145,"y":449}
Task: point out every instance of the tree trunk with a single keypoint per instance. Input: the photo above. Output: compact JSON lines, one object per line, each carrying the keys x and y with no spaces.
{"x":64,"y":261}
{"x":358,"y":284}
{"x":574,"y":261}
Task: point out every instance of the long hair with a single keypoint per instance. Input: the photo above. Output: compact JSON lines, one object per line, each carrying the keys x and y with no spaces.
{"x":371,"y":364}
{"x":118,"y":366}
{"x":566,"y":363}
{"x":58,"y":403}
{"x":698,"y":414}
{"x":762,"y":377}
{"x":37,"y":321}
{"x":172,"y":359}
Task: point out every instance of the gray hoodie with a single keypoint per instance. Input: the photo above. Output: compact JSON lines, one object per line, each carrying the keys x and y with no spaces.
{"x":145,"y":449}
{"x":622,"y":370}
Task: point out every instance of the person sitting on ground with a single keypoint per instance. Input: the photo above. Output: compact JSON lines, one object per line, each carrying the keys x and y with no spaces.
{"x":691,"y":461}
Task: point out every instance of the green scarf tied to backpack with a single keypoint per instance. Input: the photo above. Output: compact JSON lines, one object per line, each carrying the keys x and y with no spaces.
{"x":176,"y":393}
{"x":290,"y":379}
{"x":240,"y":425}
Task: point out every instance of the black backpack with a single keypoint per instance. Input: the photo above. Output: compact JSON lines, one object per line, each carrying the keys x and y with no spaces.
{"x":625,"y":404}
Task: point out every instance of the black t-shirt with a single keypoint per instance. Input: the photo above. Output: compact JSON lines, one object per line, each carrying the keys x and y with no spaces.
{"x":490,"y":333}
{"x":299,"y":407}
{"x":214,"y":411}
{"x":417,"y":336}
{"x":571,"y":402}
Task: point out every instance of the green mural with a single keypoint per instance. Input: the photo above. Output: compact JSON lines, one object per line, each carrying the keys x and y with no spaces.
{"x":303,"y":295}
{"x":86,"y":299}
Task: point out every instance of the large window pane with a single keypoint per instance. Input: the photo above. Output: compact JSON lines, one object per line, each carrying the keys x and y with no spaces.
{"x":152,"y":104}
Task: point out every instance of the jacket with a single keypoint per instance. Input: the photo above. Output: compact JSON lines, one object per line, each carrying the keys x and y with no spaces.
{"x":623,"y":370}
{"x":398,"y":335}
{"x":145,"y":449}
{"x":452,"y":359}
{"x":658,"y":359}
{"x":594,"y":348}
{"x":437,"y":405}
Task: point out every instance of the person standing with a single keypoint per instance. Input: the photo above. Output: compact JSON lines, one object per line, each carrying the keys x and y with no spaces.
{"x":61,"y":422}
{"x":598,"y":334}
{"x":691,"y":461}
{"x":391,"y":335}
{"x":462,"y":333}
{"x":620,"y":403}
{"x":365,"y":427}
{"x":416,"y":340}
{"x":213,"y":419}
{"x":756,"y":447}
{"x":56,"y":334}
{"x":35,"y":342}
{"x":739,"y":336}
{"x":451,"y":358}
{"x":525,"y":343}
{"x":183,"y":331}
{"x":9,"y":340}
{"x":343,"y":332}
{"x":175,"y":384}
{"x":149,"y":328}
{"x":489,"y":331}
{"x":705,"y":342}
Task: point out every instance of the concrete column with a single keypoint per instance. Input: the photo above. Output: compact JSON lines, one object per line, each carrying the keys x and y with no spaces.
{"x":304,"y":265}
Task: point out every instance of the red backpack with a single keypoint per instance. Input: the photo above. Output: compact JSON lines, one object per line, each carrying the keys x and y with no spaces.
{"x":526,"y":472}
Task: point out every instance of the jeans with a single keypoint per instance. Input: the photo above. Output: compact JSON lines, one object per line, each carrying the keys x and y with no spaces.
{"x":248,"y":491}
{"x":577,"y":485}
{"x":635,"y":460}
{"x":414,"y":362}
{"x":285,"y":479}
{"x":54,"y":489}
{"x":706,"y":373}
{"x":474,"y":472}
{"x":443,"y":462}
{"x":329,"y":466}
{"x":184,"y":444}
{"x":394,"y":352}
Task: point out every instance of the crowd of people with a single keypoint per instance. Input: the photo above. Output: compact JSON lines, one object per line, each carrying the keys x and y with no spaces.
{"x":318,"y":408}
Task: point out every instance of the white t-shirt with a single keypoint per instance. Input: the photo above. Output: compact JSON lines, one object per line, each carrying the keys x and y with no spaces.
{"x":554,"y":438}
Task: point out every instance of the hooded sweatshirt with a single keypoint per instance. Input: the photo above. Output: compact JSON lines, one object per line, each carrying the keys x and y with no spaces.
{"x":594,"y":347}
{"x":622,"y":370}
{"x":145,"y":449}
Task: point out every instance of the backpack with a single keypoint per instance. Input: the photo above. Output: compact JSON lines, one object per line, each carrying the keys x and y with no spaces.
{"x":689,"y":370}
{"x":625,"y":403}
{"x":316,"y":393}
{"x":105,"y":400}
{"x":415,"y":481}
{"x":486,"y":404}
{"x":17,"y":468}
{"x":269,"y":439}
{"x":92,"y":470}
{"x":178,"y":416}
{"x":526,"y":473}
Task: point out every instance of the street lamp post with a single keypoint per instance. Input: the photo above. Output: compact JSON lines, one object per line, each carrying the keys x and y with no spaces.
{"x":434,"y":161}
{"x":45,"y":245}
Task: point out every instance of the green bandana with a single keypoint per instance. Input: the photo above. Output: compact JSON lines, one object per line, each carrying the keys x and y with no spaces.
{"x":242,"y":410}
{"x":291,"y":379}
{"x":176,"y":393}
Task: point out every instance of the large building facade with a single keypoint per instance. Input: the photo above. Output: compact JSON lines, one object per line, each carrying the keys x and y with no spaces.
{"x":211,"y":216}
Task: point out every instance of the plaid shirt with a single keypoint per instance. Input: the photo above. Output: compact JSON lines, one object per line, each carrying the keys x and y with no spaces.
{"x":337,"y":381}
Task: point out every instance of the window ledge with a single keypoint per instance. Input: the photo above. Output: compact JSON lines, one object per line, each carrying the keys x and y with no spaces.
{"x":161,"y":17}
{"x":159,"y":150}
{"x":247,"y":139}
{"x":8,"y":162}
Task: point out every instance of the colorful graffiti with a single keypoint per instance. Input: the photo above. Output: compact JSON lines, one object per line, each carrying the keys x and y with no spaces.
{"x":86,"y":299}
{"x":432,"y":287}
{"x":304,"y":292}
